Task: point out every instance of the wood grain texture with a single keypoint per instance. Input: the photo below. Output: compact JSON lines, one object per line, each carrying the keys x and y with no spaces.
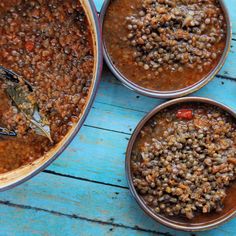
{"x":83,"y":200}
{"x":98,"y":156}
{"x":31,"y":221}
{"x":85,"y":191}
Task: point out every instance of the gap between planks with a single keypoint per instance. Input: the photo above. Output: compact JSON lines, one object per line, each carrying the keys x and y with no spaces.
{"x":84,"y":179}
{"x":109,"y":130}
{"x":225,"y":77}
{"x":74,"y":216}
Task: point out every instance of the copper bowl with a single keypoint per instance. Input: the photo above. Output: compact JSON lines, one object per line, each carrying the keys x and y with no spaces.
{"x":202,"y":221}
{"x":20,"y":175}
{"x":174,"y":93}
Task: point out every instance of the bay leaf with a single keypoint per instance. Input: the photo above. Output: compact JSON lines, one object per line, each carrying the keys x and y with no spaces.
{"x":23,"y":100}
{"x":20,"y":98}
{"x":41,"y":124}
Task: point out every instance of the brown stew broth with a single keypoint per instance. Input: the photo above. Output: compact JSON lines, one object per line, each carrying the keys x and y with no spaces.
{"x":121,"y":52}
{"x":50,"y":44}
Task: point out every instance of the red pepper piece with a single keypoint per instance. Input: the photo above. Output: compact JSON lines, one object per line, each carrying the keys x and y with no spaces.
{"x":184,"y":114}
{"x":29,"y":46}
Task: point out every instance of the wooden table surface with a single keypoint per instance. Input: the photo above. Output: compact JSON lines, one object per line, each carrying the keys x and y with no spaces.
{"x":85,"y":191}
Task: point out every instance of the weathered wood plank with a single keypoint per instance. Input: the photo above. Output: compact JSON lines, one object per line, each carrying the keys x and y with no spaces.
{"x":229,"y":68}
{"x":78,"y":199}
{"x":113,"y":118}
{"x":108,"y":110}
{"x":112,"y":92}
{"x":20,"y":221}
{"x":94,"y":154}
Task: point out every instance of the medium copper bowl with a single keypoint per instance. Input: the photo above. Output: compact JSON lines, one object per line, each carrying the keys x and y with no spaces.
{"x":202,"y":221}
{"x":174,"y":93}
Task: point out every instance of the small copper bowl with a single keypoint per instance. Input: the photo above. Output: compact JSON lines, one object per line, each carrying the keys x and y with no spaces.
{"x":174,"y":93}
{"x":202,"y":221}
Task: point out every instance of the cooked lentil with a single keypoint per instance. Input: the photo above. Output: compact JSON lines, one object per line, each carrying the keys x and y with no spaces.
{"x":169,"y":45}
{"x":49,"y":43}
{"x":184,"y":160}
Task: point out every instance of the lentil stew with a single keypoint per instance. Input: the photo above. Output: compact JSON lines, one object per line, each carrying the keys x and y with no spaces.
{"x":183,"y":162}
{"x":170,"y":45}
{"x":50,"y":44}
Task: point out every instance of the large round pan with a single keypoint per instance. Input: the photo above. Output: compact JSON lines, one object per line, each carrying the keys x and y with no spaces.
{"x":20,"y":175}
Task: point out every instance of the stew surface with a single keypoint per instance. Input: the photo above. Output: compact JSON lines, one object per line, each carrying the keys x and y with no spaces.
{"x":184,"y":160}
{"x":164,"y":45}
{"x":48,"y":43}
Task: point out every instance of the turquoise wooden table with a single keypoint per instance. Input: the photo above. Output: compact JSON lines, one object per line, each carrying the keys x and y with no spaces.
{"x":85,"y":191}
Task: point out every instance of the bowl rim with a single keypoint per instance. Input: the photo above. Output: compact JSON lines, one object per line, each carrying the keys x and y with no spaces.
{"x":158,"y":217}
{"x":174,"y":93}
{"x":89,"y":8}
